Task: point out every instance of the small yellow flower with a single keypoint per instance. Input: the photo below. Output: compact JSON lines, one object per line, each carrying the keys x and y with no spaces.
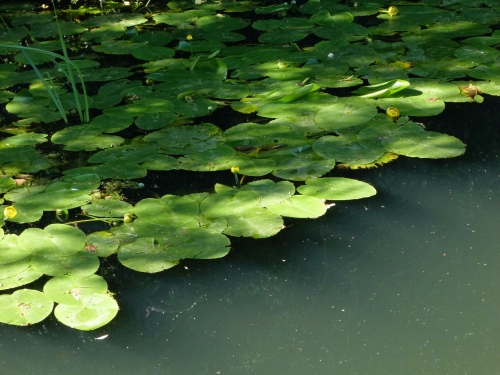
{"x":189,"y":37}
{"x":9,"y":212}
{"x":235,"y":169}
{"x":393,"y":113}
{"x":393,"y":11}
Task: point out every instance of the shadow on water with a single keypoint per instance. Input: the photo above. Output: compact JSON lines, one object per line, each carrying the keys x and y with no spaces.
{"x":401,"y":283}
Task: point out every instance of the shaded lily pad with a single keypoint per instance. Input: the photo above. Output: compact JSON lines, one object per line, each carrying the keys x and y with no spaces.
{"x":80,"y":264}
{"x":24,"y":307}
{"x":269,"y":191}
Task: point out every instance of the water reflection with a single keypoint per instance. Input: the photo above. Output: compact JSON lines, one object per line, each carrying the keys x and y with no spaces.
{"x":403,"y":283}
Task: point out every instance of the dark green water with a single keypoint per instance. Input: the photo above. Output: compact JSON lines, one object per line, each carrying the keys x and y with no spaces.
{"x":402,"y":283}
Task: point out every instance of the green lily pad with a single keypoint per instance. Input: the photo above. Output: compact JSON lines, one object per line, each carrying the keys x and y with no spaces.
{"x":24,"y":277}
{"x":323,"y":17}
{"x":10,"y":251}
{"x":254,"y":222}
{"x":95,"y":311}
{"x":80,"y":264}
{"x":382,"y":90}
{"x":414,"y":106}
{"x":72,"y":290}
{"x":346,"y":149}
{"x":55,"y":239}
{"x":168,"y":210}
{"x":24,"y":307}
{"x":345,"y":114}
{"x":108,"y":208}
{"x":228,"y":203}
{"x":336,"y":188}
{"x":144,"y":256}
{"x":102,"y":243}
{"x":160,"y":162}
{"x":14,"y":268}
{"x":413,"y":141}
{"x":302,"y":166}
{"x":120,"y":169}
{"x":299,"y":206}
{"x":269,"y":191}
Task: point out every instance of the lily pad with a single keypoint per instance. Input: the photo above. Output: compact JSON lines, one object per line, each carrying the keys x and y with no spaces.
{"x":22,"y":278}
{"x":336,"y":188}
{"x":299,"y":206}
{"x":72,"y":290}
{"x":269,"y":191}
{"x":168,"y":210}
{"x":95,"y":311}
{"x":102,"y":243}
{"x":344,"y":115}
{"x":229,"y":202}
{"x":255,"y":222}
{"x":413,"y":141}
{"x":24,"y":307}
{"x":54,"y":240}
{"x":81,"y":264}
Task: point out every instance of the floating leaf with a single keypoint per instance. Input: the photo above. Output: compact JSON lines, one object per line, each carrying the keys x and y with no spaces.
{"x":95,"y":311}
{"x":228,"y":203}
{"x":382,"y":90}
{"x":254,"y":222}
{"x":336,"y":188}
{"x":299,"y":206}
{"x":55,"y":239}
{"x":168,"y":210}
{"x":24,"y":307}
{"x":72,"y":290}
{"x":80,"y":264}
{"x":413,"y":141}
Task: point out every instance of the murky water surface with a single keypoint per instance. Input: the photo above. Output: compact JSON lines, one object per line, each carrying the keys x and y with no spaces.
{"x":403,"y":283}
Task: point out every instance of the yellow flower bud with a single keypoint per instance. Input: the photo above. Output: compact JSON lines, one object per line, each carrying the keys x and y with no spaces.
{"x":393,"y":113}
{"x":9,"y":212}
{"x":393,"y":11}
{"x":235,"y":169}
{"x":189,"y":37}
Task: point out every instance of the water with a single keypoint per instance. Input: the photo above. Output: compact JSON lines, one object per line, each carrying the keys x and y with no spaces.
{"x":402,"y":283}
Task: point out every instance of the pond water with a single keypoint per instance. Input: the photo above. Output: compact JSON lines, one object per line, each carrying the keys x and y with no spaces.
{"x":405,"y":282}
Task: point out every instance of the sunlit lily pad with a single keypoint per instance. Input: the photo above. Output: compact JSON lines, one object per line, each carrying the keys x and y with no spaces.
{"x":344,"y":115}
{"x":24,"y":307}
{"x":413,"y":141}
{"x":102,"y":243}
{"x":72,"y":290}
{"x":255,"y":222}
{"x":299,"y":206}
{"x":168,"y":210}
{"x":229,"y":202}
{"x":108,"y":208}
{"x":144,"y":255}
{"x":95,"y":311}
{"x":55,"y":239}
{"x":269,"y":191}
{"x":22,"y":278}
{"x":10,"y":251}
{"x":14,"y":268}
{"x":336,"y":188}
